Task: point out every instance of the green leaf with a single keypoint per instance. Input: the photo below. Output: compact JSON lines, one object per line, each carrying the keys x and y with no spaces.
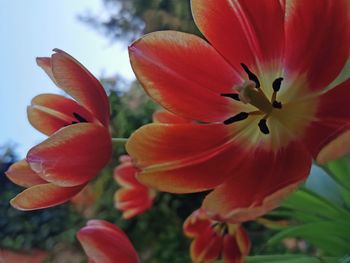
{"x":333,"y":237}
{"x":311,"y":203}
{"x":290,"y":259}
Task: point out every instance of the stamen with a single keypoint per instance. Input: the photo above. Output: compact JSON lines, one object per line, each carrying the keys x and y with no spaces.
{"x":238,"y":117}
{"x":79,"y":117}
{"x":276,"y":104}
{"x":263,"y":126}
{"x":251,"y":76}
{"x":276,"y":85}
{"x":234,"y":96}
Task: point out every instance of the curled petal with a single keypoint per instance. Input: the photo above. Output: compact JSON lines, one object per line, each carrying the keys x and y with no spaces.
{"x":73,"y":155}
{"x":21,"y":174}
{"x":322,"y":62}
{"x":103,"y":242}
{"x":243,"y":31}
{"x":184,"y":74}
{"x":44,"y":196}
{"x":78,"y":82}
{"x":328,"y":136}
{"x":260,"y":182}
{"x":49,"y":112}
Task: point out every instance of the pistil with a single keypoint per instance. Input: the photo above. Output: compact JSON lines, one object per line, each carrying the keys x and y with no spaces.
{"x":251,"y":93}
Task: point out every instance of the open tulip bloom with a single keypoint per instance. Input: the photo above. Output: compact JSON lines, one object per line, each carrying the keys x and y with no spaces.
{"x":79,"y":143}
{"x":257,"y":94}
{"x":213,"y":239}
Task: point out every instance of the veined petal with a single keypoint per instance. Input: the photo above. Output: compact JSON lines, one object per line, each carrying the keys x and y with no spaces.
{"x":21,"y":174}
{"x":77,"y":81}
{"x":322,"y":28}
{"x":73,"y":155}
{"x":49,"y":112}
{"x":328,"y":137}
{"x":243,"y":31}
{"x":260,"y":182}
{"x":184,"y":158}
{"x":184,"y":74}
{"x":44,"y":196}
{"x":163,"y":116}
{"x":105,"y":242}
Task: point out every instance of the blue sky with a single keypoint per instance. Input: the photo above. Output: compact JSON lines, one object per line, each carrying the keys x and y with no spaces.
{"x":33,"y":28}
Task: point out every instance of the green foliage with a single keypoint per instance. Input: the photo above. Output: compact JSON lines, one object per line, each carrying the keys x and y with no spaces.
{"x":128,"y":19}
{"x":319,"y":219}
{"x":37,"y":229}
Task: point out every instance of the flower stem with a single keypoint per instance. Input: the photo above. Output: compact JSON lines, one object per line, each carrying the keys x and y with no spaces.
{"x":119,"y":141}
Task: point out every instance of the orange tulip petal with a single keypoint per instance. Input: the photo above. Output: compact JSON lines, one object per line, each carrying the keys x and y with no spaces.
{"x":133,"y":198}
{"x":45,"y":64}
{"x":73,"y":155}
{"x":322,"y":62}
{"x":206,"y":247}
{"x":104,"y":242}
{"x":125,"y":175}
{"x":196,"y":224}
{"x":183,"y":157}
{"x":260,"y":182}
{"x":231,"y":251}
{"x":43,"y":196}
{"x":243,"y":31}
{"x":327,"y":137}
{"x":184,"y":74}
{"x":21,"y":174}
{"x":133,"y":201}
{"x":163,"y":116}
{"x":49,"y":112}
{"x":77,"y":81}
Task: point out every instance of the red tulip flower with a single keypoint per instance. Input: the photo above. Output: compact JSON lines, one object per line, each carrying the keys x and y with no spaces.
{"x":79,"y":143}
{"x":133,"y":198}
{"x":214,"y":239}
{"x":103,"y":242}
{"x":257,"y":92}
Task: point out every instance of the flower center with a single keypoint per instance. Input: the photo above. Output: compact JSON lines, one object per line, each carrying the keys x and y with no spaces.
{"x":250,"y":92}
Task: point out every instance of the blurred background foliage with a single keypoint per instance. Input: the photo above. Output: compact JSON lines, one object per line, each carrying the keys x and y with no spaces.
{"x":128,"y":19}
{"x":157,"y":234}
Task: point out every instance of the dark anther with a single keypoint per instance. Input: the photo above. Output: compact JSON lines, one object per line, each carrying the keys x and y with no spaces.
{"x":251,"y":75}
{"x":79,"y":117}
{"x":234,"y":96}
{"x":276,"y":85}
{"x":277,"y":104}
{"x":263,"y":126}
{"x":239,"y":117}
{"x":74,"y":122}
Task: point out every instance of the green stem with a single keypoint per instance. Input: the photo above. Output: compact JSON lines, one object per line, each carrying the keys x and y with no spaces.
{"x":119,"y":141}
